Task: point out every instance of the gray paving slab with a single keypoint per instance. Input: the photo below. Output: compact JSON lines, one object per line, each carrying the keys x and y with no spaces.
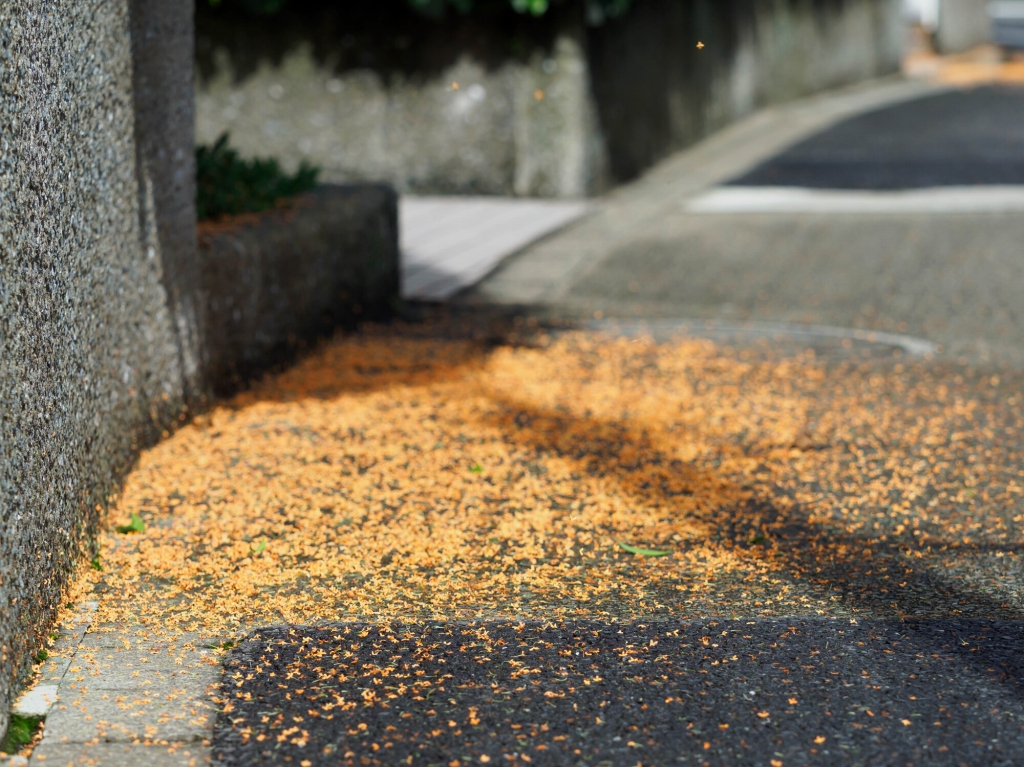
{"x":103,"y":662}
{"x":111,"y":716}
{"x":119,"y":755}
{"x":121,"y":690}
{"x":449,"y":243}
{"x":62,"y":651}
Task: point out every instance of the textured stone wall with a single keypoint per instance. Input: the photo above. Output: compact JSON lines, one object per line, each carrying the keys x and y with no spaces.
{"x":89,"y":359}
{"x":585,"y":107}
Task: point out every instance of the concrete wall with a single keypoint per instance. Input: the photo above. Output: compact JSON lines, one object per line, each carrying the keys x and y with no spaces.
{"x":523,"y":127}
{"x":588,"y":106}
{"x":656,"y":91}
{"x":91,"y":364}
{"x":163,"y":52}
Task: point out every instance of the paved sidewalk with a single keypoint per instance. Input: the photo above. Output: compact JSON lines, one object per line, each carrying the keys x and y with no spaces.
{"x":942,"y":264}
{"x":658,"y":693}
{"x":449,"y":243}
{"x":131,"y":699}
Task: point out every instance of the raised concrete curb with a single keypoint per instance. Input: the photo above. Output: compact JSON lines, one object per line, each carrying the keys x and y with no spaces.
{"x":774,"y":199}
{"x":276,"y":281}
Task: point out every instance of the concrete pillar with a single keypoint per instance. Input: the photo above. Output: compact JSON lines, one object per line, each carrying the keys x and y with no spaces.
{"x":163,"y":56}
{"x":86,"y":343}
{"x":963,"y":24}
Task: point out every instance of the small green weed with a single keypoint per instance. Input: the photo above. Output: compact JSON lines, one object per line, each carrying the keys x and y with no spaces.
{"x":644,"y":552}
{"x":19,"y":733}
{"x":227,"y":185}
{"x":94,"y":563}
{"x":476,"y":468}
{"x":41,"y":656}
{"x":135,"y":526}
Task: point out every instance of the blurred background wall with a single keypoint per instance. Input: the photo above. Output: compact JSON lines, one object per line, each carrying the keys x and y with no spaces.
{"x":501,"y":103}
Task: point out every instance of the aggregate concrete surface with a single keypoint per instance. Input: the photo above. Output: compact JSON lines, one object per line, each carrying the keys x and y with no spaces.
{"x":91,"y":360}
{"x":706,"y":692}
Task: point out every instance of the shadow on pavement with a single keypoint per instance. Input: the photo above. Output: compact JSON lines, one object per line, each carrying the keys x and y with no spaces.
{"x":873,"y":578}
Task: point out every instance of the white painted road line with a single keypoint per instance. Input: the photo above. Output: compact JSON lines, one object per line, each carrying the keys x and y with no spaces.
{"x":785,"y":199}
{"x":449,"y":243}
{"x":666,"y":329}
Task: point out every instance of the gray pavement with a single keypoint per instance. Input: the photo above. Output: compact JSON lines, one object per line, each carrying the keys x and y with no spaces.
{"x":132,"y":701}
{"x":953,"y":279}
{"x":955,"y":138}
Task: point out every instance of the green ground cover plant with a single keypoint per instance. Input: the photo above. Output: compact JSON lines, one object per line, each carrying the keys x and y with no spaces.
{"x":227,"y":184}
{"x":19,"y":733}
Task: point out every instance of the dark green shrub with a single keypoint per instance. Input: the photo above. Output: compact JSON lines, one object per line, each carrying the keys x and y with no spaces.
{"x":596,"y":9}
{"x":227,"y":185}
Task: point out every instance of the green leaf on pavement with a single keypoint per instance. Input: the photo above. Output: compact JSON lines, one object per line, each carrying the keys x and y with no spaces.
{"x":260,"y":548}
{"x":644,"y":552}
{"x":135,"y":526}
{"x":476,"y":468}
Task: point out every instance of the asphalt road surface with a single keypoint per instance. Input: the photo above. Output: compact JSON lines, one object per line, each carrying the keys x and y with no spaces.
{"x":734,"y":692}
{"x":958,"y":138}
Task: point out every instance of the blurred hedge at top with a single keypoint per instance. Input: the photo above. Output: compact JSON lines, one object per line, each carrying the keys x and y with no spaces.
{"x":410,"y":39}
{"x":596,"y":10}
